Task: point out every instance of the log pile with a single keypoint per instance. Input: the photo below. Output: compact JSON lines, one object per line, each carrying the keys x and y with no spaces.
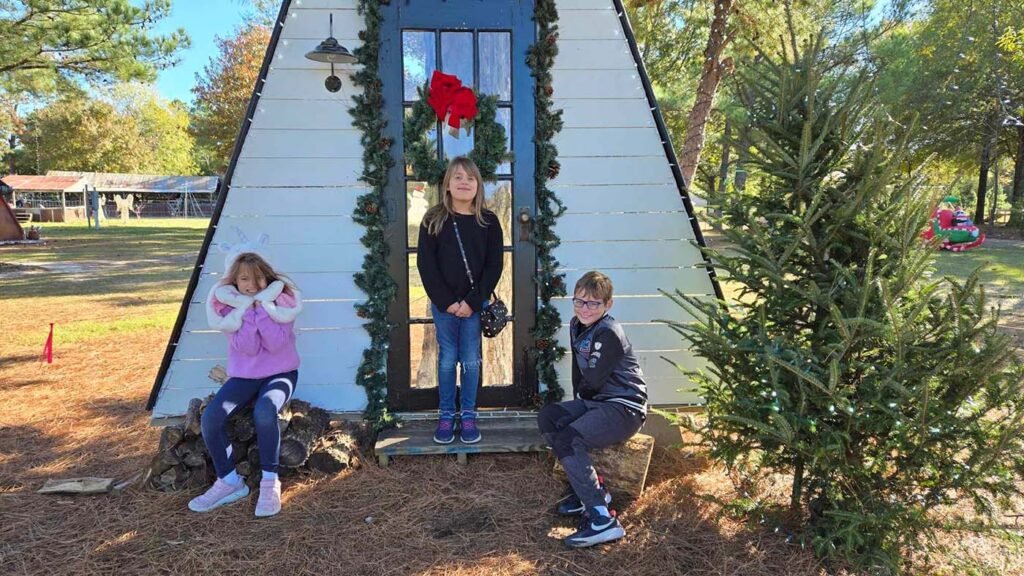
{"x":309,"y":443}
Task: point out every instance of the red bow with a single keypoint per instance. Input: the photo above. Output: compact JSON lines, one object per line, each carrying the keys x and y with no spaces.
{"x":451,"y":101}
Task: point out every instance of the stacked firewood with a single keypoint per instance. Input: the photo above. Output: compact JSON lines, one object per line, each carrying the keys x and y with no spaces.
{"x":309,"y":442}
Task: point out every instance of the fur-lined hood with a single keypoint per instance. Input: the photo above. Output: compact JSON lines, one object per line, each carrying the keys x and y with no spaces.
{"x":225,"y":305}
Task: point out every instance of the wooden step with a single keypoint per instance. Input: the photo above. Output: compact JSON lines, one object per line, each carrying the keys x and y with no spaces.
{"x":499,"y":435}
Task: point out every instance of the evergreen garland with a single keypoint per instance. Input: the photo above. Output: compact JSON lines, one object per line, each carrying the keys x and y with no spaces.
{"x":374,"y":280}
{"x":541,"y":56}
{"x":489,"y":149}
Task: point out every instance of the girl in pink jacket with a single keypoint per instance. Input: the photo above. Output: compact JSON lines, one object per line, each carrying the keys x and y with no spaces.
{"x":256,"y":307}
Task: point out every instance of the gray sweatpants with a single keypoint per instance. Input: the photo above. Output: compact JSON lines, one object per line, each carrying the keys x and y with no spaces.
{"x":572,"y":428}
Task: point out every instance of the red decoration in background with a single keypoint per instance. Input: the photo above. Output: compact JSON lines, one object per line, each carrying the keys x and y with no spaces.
{"x":48,"y":347}
{"x":451,"y":101}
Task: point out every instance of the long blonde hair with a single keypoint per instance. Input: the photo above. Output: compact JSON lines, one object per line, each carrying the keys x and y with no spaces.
{"x":257,"y":266}
{"x":435,"y":217}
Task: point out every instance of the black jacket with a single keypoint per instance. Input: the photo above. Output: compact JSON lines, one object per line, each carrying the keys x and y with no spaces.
{"x":441,"y":267}
{"x":604,"y":366}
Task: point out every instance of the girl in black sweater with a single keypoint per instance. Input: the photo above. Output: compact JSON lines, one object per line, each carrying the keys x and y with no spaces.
{"x":459,"y":258}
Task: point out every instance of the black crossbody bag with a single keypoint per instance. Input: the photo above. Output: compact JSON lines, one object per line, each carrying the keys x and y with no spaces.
{"x":493,"y":318}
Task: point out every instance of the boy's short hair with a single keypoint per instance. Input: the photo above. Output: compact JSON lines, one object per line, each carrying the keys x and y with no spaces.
{"x":596,"y":285}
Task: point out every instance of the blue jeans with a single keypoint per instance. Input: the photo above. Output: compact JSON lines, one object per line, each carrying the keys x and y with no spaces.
{"x":458,"y":342}
{"x":270,"y":394}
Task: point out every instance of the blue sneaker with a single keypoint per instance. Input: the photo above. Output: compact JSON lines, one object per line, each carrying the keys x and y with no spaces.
{"x":595,"y":529}
{"x":445,"y":432}
{"x":470,"y":434}
{"x":571,"y":505}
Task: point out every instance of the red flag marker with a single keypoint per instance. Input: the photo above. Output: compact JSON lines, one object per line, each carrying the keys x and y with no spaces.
{"x":48,"y":347}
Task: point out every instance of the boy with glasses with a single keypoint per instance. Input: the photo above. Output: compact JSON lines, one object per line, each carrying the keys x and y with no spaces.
{"x":609,"y":406}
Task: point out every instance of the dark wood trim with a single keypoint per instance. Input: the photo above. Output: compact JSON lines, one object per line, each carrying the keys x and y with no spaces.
{"x":666,"y":141}
{"x":524,"y":259}
{"x":223,"y":190}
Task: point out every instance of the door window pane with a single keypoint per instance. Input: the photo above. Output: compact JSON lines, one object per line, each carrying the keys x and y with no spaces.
{"x":419,"y":60}
{"x":419,"y":196}
{"x":457,"y":146}
{"x":498,"y":199}
{"x":497,"y":358}
{"x":457,"y":56}
{"x":422,"y":356}
{"x":419,"y":304}
{"x":504,"y":117}
{"x":431,"y":136}
{"x":496,"y":64}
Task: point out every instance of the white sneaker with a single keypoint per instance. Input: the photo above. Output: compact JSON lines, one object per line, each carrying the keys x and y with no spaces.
{"x":218,"y":495}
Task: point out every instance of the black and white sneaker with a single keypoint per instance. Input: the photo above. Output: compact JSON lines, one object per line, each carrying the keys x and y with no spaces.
{"x":595,"y":529}
{"x":571,"y":505}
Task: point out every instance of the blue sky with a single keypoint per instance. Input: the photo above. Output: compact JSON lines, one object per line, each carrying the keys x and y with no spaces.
{"x":202,"y":20}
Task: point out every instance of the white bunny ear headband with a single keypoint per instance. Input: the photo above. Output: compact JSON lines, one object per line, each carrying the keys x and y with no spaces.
{"x":232,"y":251}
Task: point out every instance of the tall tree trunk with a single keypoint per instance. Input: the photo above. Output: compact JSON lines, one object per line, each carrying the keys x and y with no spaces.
{"x":742,"y":157}
{"x":13,"y":141}
{"x":994,"y":203}
{"x":716,"y":201}
{"x":986,"y":160}
{"x":1017,"y":188}
{"x":711,"y":74}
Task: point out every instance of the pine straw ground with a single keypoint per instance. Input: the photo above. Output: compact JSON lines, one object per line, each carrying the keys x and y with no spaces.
{"x":83,"y":416}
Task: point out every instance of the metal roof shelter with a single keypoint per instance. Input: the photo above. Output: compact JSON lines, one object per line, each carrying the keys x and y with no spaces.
{"x":112,"y":183}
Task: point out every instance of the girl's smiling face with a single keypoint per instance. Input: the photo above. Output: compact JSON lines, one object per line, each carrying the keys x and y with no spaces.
{"x":463,"y":188}
{"x":249,"y":281}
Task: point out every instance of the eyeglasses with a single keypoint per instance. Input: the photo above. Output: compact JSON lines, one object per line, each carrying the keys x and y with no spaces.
{"x":590,"y":304}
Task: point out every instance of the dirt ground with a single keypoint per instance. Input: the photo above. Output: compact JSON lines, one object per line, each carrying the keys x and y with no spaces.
{"x":84,"y":416}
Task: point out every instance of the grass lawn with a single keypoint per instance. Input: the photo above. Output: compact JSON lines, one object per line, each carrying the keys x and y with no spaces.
{"x":114,"y":295}
{"x":1003,"y":262}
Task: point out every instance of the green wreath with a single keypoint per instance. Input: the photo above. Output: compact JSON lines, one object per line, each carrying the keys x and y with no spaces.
{"x":489,"y":149}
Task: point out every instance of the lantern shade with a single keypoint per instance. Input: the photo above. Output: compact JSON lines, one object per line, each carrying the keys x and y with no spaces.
{"x":330,"y":51}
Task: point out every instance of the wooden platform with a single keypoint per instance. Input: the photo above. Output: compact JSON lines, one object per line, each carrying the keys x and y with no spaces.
{"x":499,"y":435}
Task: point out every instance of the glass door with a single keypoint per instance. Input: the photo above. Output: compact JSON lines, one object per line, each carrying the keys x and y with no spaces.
{"x":484,"y":44}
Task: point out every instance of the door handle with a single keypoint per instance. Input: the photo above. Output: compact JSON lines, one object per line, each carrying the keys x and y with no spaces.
{"x":525,"y":224}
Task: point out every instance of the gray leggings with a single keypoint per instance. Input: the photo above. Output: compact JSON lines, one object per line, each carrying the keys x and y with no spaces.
{"x":572,"y":428}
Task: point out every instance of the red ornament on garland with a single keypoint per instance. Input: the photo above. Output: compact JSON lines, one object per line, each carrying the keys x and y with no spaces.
{"x":542,"y":344}
{"x":371,"y":208}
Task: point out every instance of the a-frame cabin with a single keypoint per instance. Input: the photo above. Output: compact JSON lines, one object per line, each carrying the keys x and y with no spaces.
{"x":294,"y":175}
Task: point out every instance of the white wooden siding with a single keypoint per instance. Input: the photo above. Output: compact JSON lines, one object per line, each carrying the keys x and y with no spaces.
{"x":594,"y":55}
{"x":333,"y":201}
{"x":297,"y":171}
{"x":615,"y":255}
{"x":297,"y":180}
{"x":602,"y":141}
{"x":279,"y":143}
{"x":603,"y":112}
{"x":277,"y":114}
{"x":624,"y":215}
{"x":308,"y":84}
{"x":642,"y":198}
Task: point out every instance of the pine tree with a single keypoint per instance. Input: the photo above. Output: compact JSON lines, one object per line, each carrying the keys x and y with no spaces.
{"x":881,"y":392}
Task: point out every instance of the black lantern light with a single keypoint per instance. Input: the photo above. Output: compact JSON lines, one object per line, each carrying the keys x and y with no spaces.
{"x":330,"y":51}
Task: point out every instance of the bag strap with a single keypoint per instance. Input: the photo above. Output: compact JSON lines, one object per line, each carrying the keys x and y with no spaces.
{"x":462,"y":251}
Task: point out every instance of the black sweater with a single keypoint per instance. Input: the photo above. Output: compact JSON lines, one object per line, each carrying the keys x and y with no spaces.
{"x":440,"y":263}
